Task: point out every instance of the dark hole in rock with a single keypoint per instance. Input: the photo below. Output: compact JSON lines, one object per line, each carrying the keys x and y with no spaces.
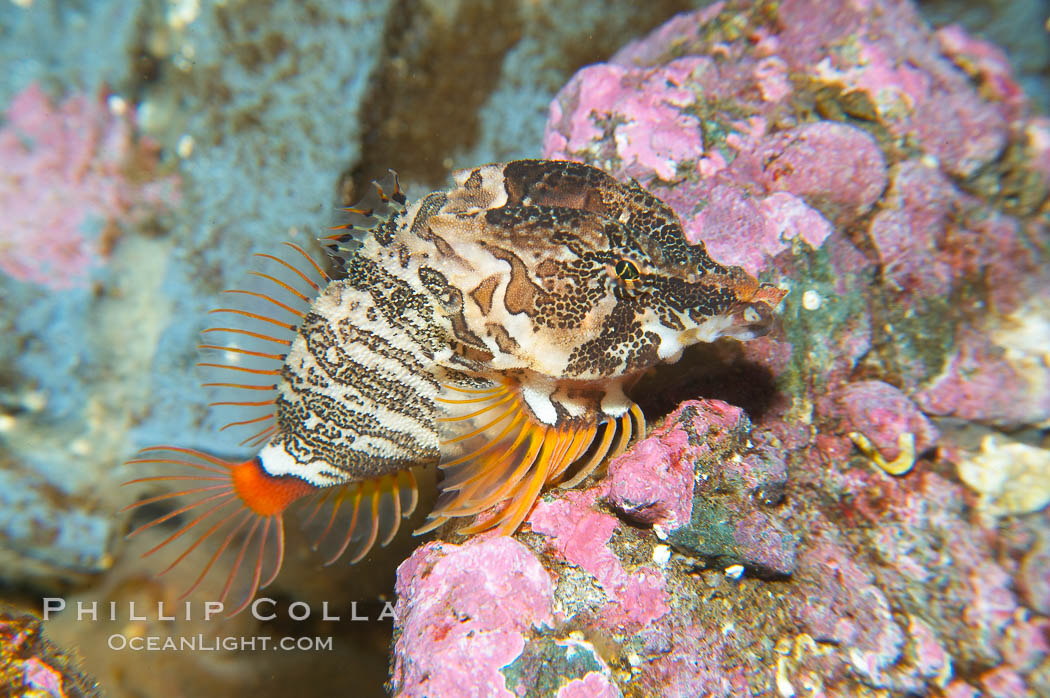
{"x":716,"y":371}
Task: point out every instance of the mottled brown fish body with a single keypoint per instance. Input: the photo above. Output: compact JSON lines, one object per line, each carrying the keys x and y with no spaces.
{"x":490,"y":328}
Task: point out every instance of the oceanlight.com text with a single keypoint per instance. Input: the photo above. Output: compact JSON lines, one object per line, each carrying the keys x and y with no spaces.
{"x":209,"y":643}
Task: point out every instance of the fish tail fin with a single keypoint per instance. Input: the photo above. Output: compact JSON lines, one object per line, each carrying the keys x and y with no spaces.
{"x":221,"y":505}
{"x":217,"y":505}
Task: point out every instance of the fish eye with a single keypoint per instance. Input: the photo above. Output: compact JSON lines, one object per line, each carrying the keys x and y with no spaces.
{"x":626,"y":270}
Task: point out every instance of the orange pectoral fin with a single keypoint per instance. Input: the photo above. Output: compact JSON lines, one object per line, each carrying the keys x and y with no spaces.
{"x":504,"y":457}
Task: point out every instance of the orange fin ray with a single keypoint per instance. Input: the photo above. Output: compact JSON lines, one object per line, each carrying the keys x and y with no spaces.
{"x":244,"y":519}
{"x":245,"y":352}
{"x":243,"y":403}
{"x":279,"y":558}
{"x":225,"y":488}
{"x":468,"y":473}
{"x":496,"y":479}
{"x":491,"y":481}
{"x":485,"y":427}
{"x":268,"y":298}
{"x":500,"y":388}
{"x":247,"y":349}
{"x":203,"y":516}
{"x":225,"y":465}
{"x":248,"y":333}
{"x":255,"y":316}
{"x":254,"y":420}
{"x":409,"y":492}
{"x":242,"y":386}
{"x":200,"y":539}
{"x":282,"y":285}
{"x":258,"y":438}
{"x":508,"y":465}
{"x":315,"y":267}
{"x":603,"y":453}
{"x":185,"y":463}
{"x":522,"y":498}
{"x":163,"y":478}
{"x":476,"y":413}
{"x":579,"y":441}
{"x":489,"y":445}
{"x":519,"y":507}
{"x":253,"y":584}
{"x":373,"y":527}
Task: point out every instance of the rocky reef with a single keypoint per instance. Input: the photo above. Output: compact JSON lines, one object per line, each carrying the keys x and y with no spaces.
{"x":853,"y":505}
{"x":875,"y":522}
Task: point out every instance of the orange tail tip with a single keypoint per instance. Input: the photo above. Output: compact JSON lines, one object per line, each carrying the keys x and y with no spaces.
{"x":514,"y":457}
{"x":233,"y":506}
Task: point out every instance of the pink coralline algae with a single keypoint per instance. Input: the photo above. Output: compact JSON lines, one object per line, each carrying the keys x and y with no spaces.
{"x":593,"y":685}
{"x":837,"y":167}
{"x":653,"y":482}
{"x":981,"y":383}
{"x":1037,"y":147}
{"x":1003,"y":682}
{"x":659,"y":136}
{"x":984,"y":62}
{"x":1033,"y":577}
{"x":795,"y":522}
{"x":72,"y":173}
{"x":472,"y":607}
{"x":891,"y":61}
{"x":581,"y":536}
{"x":863,"y":621}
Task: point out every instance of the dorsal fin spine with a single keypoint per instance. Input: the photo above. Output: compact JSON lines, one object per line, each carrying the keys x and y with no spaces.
{"x":382,"y":201}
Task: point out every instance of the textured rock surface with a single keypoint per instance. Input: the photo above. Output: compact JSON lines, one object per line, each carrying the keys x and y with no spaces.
{"x":476,"y":603}
{"x":68,"y":168}
{"x":706,"y":491}
{"x":888,"y":175}
{"x":31,"y":666}
{"x":265,"y":115}
{"x":1010,"y":24}
{"x":71,"y":172}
